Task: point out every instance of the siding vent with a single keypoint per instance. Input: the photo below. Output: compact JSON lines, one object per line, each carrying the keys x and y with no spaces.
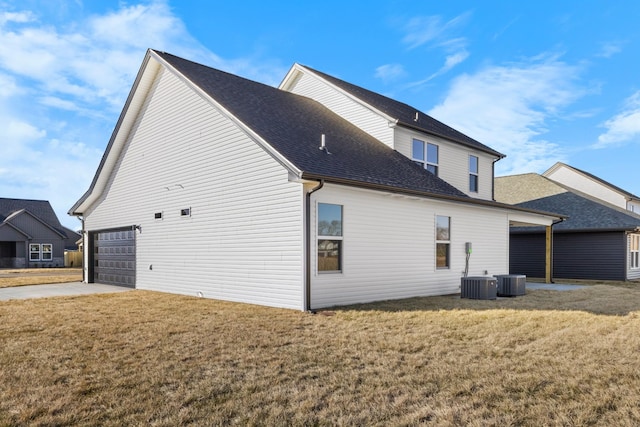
{"x":157,"y":215}
{"x":185,"y":212}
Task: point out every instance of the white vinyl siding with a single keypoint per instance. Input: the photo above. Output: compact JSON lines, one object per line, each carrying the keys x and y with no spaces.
{"x":243,"y":238}
{"x":390,"y":250}
{"x":453,"y":162}
{"x":359,"y":115}
{"x":580,"y":182}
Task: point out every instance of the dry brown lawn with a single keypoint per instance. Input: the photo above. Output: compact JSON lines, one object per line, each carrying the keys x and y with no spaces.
{"x":38,"y":276}
{"x":145,"y":358}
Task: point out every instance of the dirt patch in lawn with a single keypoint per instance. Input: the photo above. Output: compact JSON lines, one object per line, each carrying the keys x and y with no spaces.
{"x":145,"y":358}
{"x":38,"y":276}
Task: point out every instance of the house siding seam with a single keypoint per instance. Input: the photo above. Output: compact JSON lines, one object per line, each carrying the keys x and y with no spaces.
{"x":242,"y":241}
{"x":389,"y":251}
{"x":315,"y":88}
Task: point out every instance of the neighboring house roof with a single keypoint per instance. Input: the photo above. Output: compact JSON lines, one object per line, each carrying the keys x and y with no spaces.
{"x":39,"y":209}
{"x":533,"y":191}
{"x":404,"y":114}
{"x":593,"y":177}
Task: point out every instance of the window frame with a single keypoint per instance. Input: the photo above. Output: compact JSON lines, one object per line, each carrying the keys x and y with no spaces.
{"x":473,"y":175}
{"x":634,"y":251}
{"x":439,"y":242}
{"x":336,"y":238}
{"x":44,"y":252}
{"x":424,"y":161}
{"x":32,"y":251}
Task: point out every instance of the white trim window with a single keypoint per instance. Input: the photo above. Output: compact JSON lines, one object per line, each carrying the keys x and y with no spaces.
{"x":34,"y":251}
{"x":426,"y":155}
{"x":634,"y":251}
{"x":443,"y":242}
{"x":330,"y":248}
{"x":46,"y":252}
{"x":473,"y":174}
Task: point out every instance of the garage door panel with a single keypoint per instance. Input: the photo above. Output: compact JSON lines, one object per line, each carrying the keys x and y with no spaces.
{"x":115,"y":258}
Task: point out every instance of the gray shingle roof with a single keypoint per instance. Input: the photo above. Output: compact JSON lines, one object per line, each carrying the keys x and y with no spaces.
{"x":537,"y":192}
{"x":40,"y":208}
{"x":293,"y":125}
{"x":406,"y":114}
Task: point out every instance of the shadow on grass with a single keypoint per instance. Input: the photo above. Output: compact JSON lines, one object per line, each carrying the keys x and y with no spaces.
{"x":596,"y":299}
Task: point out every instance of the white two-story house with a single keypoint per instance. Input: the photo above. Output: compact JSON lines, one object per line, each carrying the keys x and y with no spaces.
{"x":314,"y":194}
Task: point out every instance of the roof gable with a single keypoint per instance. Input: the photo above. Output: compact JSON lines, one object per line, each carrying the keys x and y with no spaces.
{"x":560,"y":165}
{"x":41,"y":210}
{"x":293,"y":125}
{"x":402,"y":114}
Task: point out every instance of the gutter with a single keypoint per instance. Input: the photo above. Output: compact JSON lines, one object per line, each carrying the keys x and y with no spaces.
{"x":307,"y":284}
{"x":461,"y":199}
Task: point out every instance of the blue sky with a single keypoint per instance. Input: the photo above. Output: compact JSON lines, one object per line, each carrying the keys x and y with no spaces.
{"x":542,"y":81}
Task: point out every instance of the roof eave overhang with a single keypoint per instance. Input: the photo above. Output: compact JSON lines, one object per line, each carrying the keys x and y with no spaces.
{"x":431,"y":195}
{"x":459,"y":141}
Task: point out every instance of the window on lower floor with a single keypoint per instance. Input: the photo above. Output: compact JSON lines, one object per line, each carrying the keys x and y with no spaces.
{"x":40,"y":252}
{"x":329,"y":237}
{"x":443,"y":242}
{"x":46,"y":252}
{"x":634,"y":251}
{"x":34,"y":252}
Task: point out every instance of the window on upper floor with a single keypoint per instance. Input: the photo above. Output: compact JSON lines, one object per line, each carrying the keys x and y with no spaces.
{"x":426,"y":155}
{"x":473,"y":174}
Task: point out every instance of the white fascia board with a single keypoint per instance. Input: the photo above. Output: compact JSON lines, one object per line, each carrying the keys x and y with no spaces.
{"x":145,"y":79}
{"x":526,"y":219}
{"x":299,"y":68}
{"x":291,"y":168}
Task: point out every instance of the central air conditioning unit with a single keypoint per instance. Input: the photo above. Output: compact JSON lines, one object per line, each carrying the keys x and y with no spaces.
{"x":511,"y":285}
{"x":480,"y":287}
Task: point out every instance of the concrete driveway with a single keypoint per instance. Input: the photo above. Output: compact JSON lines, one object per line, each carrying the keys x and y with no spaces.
{"x":58,"y":289}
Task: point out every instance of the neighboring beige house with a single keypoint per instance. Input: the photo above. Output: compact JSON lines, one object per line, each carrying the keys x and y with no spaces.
{"x":587,"y":183}
{"x":314,"y":194}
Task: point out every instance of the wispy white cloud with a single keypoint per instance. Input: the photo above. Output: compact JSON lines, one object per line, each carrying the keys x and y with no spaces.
{"x":508,"y":107}
{"x":609,"y":49}
{"x":623,"y":127}
{"x":436,"y":33}
{"x":390,"y":72}
{"x":62,"y":86}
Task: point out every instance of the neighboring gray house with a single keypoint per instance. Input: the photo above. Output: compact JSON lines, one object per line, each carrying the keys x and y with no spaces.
{"x":597,"y":241}
{"x":314,"y":194}
{"x":31,"y":235}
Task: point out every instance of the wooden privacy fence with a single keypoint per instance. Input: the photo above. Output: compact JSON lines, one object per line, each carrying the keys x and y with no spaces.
{"x":72,"y":259}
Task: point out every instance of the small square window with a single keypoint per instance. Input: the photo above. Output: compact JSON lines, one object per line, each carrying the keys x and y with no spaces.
{"x":185,"y":212}
{"x":158,"y":215}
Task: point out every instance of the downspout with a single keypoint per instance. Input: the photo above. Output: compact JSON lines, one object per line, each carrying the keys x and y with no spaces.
{"x":493,"y":179}
{"x":552,"y":224}
{"x":307,"y":302}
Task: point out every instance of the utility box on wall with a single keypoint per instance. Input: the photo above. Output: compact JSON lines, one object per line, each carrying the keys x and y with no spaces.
{"x":480,"y":287}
